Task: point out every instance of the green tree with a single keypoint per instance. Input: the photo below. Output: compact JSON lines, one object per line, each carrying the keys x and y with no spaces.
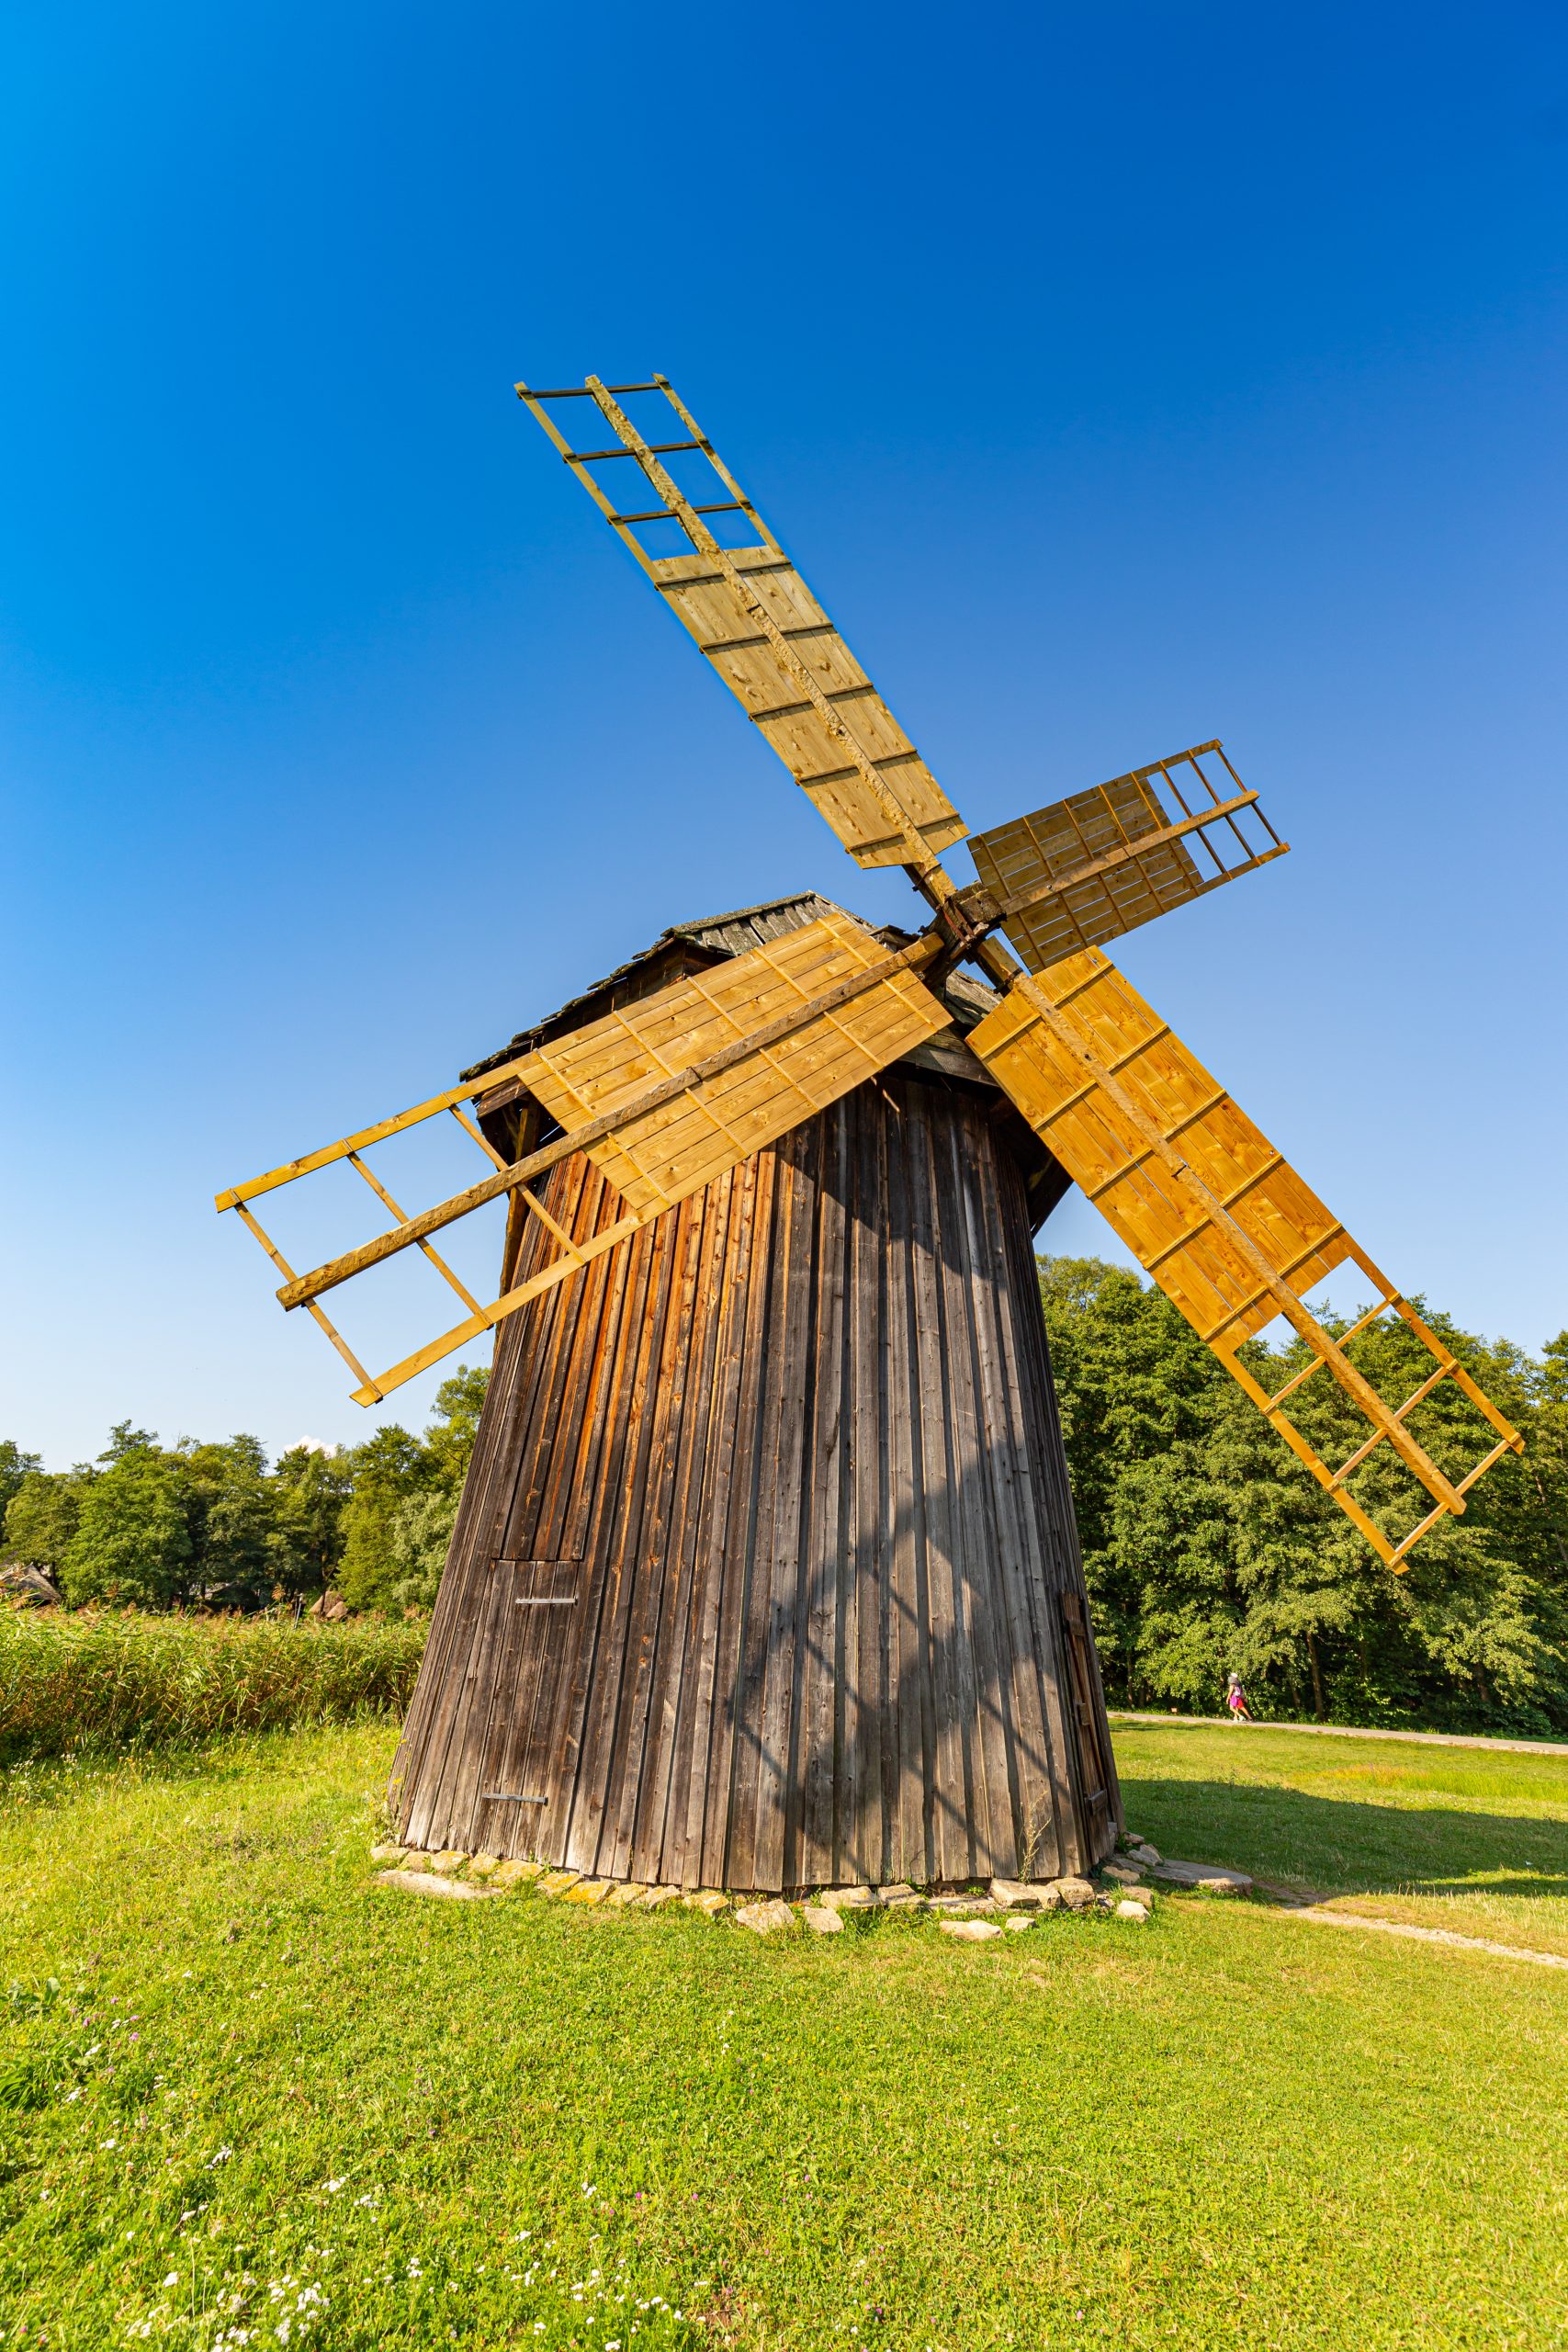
{"x":132,"y":1542}
{"x":449,"y":1439}
{"x":14,"y":1466}
{"x":388,"y":1470}
{"x":41,"y":1517}
{"x":314,"y":1491}
{"x":240,"y":1552}
{"x":399,"y":1521}
{"x":421,"y":1537}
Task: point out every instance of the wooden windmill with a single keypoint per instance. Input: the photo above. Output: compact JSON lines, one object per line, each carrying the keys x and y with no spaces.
{"x":765,"y":1573}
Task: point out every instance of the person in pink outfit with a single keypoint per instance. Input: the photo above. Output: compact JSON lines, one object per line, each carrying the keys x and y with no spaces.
{"x":1236,"y":1700}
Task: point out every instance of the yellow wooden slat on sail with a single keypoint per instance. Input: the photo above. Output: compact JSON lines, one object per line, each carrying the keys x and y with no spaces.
{"x":703,"y":600}
{"x":659,"y":1157}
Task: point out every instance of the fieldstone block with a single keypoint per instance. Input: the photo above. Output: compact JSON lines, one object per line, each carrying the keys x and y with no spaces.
{"x":591,"y":1890}
{"x":426,"y":1882}
{"x":558,"y":1881}
{"x":657,"y":1897}
{"x":899,"y":1892}
{"x":516,"y":1873}
{"x":848,"y":1898}
{"x":385,"y":1854}
{"x":1127,"y":1874}
{"x":708,"y":1900}
{"x":1016,"y":1926}
{"x":1205,"y":1878}
{"x":1076,"y":1893}
{"x":821,"y":1921}
{"x":1128,"y":1909}
{"x":968,"y":1907}
{"x":970,"y":1932}
{"x":1014,"y":1894}
{"x":445,"y":1864}
{"x":484,"y":1865}
{"x":1142,"y":1851}
{"x":765,"y":1918}
{"x":627,"y":1892}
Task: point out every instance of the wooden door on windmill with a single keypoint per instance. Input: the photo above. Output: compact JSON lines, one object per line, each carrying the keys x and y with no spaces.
{"x":1091,"y":1742}
{"x":539,"y":1605}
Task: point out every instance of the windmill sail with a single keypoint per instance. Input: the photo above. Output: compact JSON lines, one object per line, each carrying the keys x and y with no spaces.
{"x":1101,"y":862}
{"x":664,"y":1097}
{"x":1227,"y":1228}
{"x":754,"y":617}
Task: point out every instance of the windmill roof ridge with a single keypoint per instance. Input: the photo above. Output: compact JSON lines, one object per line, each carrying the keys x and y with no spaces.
{"x":762,"y":907}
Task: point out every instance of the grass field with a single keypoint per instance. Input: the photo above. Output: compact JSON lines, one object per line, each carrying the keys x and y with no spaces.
{"x":380,"y":2121}
{"x":1445,"y":1836}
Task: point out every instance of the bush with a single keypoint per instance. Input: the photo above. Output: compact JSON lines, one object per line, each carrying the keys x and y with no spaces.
{"x":76,"y":1682}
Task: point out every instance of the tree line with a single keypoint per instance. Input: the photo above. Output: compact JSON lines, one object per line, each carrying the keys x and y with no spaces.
{"x":212,"y":1525}
{"x":1207,"y":1547}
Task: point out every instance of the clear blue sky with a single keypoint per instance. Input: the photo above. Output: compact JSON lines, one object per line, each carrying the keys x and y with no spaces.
{"x":1118,"y":377}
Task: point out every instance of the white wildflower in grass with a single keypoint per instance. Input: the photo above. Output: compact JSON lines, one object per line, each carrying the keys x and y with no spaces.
{"x":333,"y":2185}
{"x":173,"y":2280}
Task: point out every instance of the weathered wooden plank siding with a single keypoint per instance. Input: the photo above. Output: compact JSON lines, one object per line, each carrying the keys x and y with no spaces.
{"x":794,"y":1449}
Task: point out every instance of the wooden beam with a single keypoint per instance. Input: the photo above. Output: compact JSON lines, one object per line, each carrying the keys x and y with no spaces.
{"x":362,"y":1140}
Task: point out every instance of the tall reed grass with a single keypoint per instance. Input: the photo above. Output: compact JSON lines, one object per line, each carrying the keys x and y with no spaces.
{"x":70,"y":1683}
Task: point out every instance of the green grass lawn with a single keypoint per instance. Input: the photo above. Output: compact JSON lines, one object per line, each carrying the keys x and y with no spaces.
{"x":1446,"y":1837}
{"x":382,"y":2120}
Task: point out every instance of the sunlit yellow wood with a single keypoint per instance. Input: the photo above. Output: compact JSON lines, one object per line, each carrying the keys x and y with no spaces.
{"x":747,"y":1043}
{"x":657,"y":1155}
{"x":253,"y":1225}
{"x":1226,"y":1228}
{"x":442,"y":1268}
{"x":664,"y":1096}
{"x":1099,"y":863}
{"x":756,"y":621}
{"x":361,"y":1141}
{"x":488,"y":1317}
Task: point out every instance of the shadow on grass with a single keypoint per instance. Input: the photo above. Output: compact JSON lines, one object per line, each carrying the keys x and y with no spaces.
{"x":1339,"y":1846}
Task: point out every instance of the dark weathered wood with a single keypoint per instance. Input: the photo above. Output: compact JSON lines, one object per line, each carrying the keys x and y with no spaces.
{"x":765,"y":1573}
